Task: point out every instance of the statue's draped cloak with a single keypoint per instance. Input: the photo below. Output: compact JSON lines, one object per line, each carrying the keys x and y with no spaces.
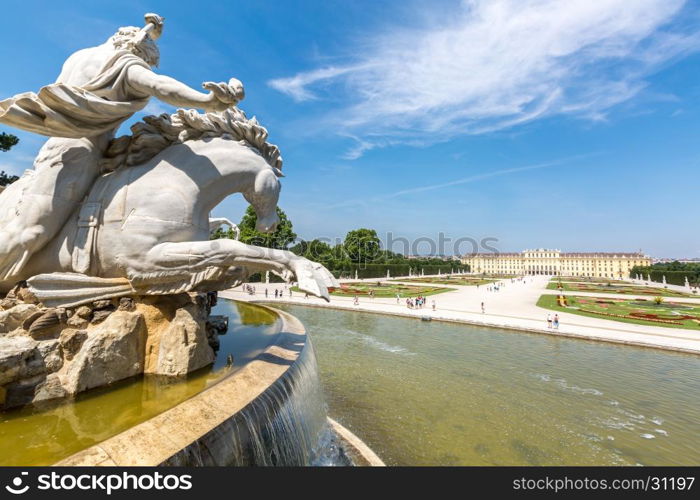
{"x":61,"y":110}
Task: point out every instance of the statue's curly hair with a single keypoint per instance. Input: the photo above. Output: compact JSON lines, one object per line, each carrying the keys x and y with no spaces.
{"x":136,"y":41}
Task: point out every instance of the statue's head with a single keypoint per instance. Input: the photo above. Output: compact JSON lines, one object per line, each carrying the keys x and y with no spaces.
{"x":138,"y":42}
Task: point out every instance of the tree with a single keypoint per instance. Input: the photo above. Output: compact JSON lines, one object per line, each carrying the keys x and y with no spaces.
{"x":362,"y":245}
{"x":312,"y":250}
{"x":283,"y":236}
{"x":7,"y":179}
{"x":7,"y":141}
{"x":318,"y":251}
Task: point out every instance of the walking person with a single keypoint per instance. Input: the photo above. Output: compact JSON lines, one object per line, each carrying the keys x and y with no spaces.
{"x":549,"y":321}
{"x":556,"y":322}
{"x":483,"y":308}
{"x":434,"y":304}
{"x":266,"y":292}
{"x":356,"y":301}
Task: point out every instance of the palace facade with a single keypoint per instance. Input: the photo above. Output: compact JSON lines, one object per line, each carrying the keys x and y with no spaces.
{"x":557,"y":263}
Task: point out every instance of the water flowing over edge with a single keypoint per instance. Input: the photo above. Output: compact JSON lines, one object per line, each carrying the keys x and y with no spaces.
{"x":285,"y":426}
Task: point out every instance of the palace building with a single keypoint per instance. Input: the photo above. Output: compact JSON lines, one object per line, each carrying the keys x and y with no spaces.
{"x":557,"y":263}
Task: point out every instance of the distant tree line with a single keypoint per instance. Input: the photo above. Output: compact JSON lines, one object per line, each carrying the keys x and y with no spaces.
{"x":361,"y":251}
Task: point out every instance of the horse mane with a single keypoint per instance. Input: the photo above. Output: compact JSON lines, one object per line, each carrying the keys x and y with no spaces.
{"x":155,"y":133}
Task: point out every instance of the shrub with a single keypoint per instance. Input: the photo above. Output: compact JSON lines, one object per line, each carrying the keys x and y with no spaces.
{"x":673,"y":276}
{"x":379,"y":270}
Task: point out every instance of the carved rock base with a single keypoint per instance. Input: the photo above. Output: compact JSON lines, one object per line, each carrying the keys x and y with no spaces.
{"x":48,"y":353}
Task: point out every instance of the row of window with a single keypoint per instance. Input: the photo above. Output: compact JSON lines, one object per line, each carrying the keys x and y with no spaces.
{"x":564,"y":264}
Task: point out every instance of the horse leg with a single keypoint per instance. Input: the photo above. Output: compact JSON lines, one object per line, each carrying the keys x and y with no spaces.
{"x":198,"y":255}
{"x":217,"y":222}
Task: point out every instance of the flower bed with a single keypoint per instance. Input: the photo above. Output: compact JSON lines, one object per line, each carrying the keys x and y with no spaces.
{"x":615,"y":288}
{"x":672,"y":314}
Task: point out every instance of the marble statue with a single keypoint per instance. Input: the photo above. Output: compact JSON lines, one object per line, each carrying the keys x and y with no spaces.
{"x":100,"y":217}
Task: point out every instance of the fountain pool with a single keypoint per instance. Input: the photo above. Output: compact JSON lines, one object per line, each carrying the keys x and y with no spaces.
{"x":434,"y":393}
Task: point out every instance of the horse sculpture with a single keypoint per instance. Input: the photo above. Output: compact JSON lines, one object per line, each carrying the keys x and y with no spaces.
{"x":144,"y":227}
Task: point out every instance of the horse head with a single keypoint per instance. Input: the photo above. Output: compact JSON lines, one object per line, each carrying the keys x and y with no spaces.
{"x":156,"y":133}
{"x":263,"y":196}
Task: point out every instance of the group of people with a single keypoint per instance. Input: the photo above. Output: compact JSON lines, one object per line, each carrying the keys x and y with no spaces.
{"x":418,"y":303}
{"x":278,"y":293}
{"x":252,"y":290}
{"x":553,"y":322}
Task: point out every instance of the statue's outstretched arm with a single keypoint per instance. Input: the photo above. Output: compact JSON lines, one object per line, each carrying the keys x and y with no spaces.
{"x":167,"y":89}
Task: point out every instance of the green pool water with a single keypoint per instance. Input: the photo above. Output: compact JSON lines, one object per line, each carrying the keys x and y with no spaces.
{"x":32,"y":436}
{"x":433,"y":393}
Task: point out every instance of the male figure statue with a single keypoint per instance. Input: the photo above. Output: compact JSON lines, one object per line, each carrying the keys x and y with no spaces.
{"x":98,"y":89}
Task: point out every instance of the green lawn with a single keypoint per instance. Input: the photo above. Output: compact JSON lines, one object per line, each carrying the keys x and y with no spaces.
{"x":384,"y":290}
{"x":638,"y":311}
{"x":447,"y":280}
{"x":622,"y":288}
{"x":582,"y":279}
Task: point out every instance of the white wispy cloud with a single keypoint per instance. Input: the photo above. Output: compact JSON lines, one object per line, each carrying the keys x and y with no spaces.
{"x":463,"y":180}
{"x":494,"y":64}
{"x":297,"y":86}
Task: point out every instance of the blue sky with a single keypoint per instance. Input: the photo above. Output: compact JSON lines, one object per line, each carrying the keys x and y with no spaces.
{"x":542,"y":123}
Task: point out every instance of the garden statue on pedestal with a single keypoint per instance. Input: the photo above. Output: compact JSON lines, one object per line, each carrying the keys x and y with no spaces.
{"x":105,"y":252}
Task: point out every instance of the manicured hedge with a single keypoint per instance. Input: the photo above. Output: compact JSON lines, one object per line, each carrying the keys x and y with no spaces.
{"x":379,"y":270}
{"x":376,"y":271}
{"x":675,"y":277}
{"x":672,"y":277}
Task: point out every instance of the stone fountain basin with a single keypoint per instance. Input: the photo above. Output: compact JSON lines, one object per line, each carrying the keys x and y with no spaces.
{"x":198,"y":431}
